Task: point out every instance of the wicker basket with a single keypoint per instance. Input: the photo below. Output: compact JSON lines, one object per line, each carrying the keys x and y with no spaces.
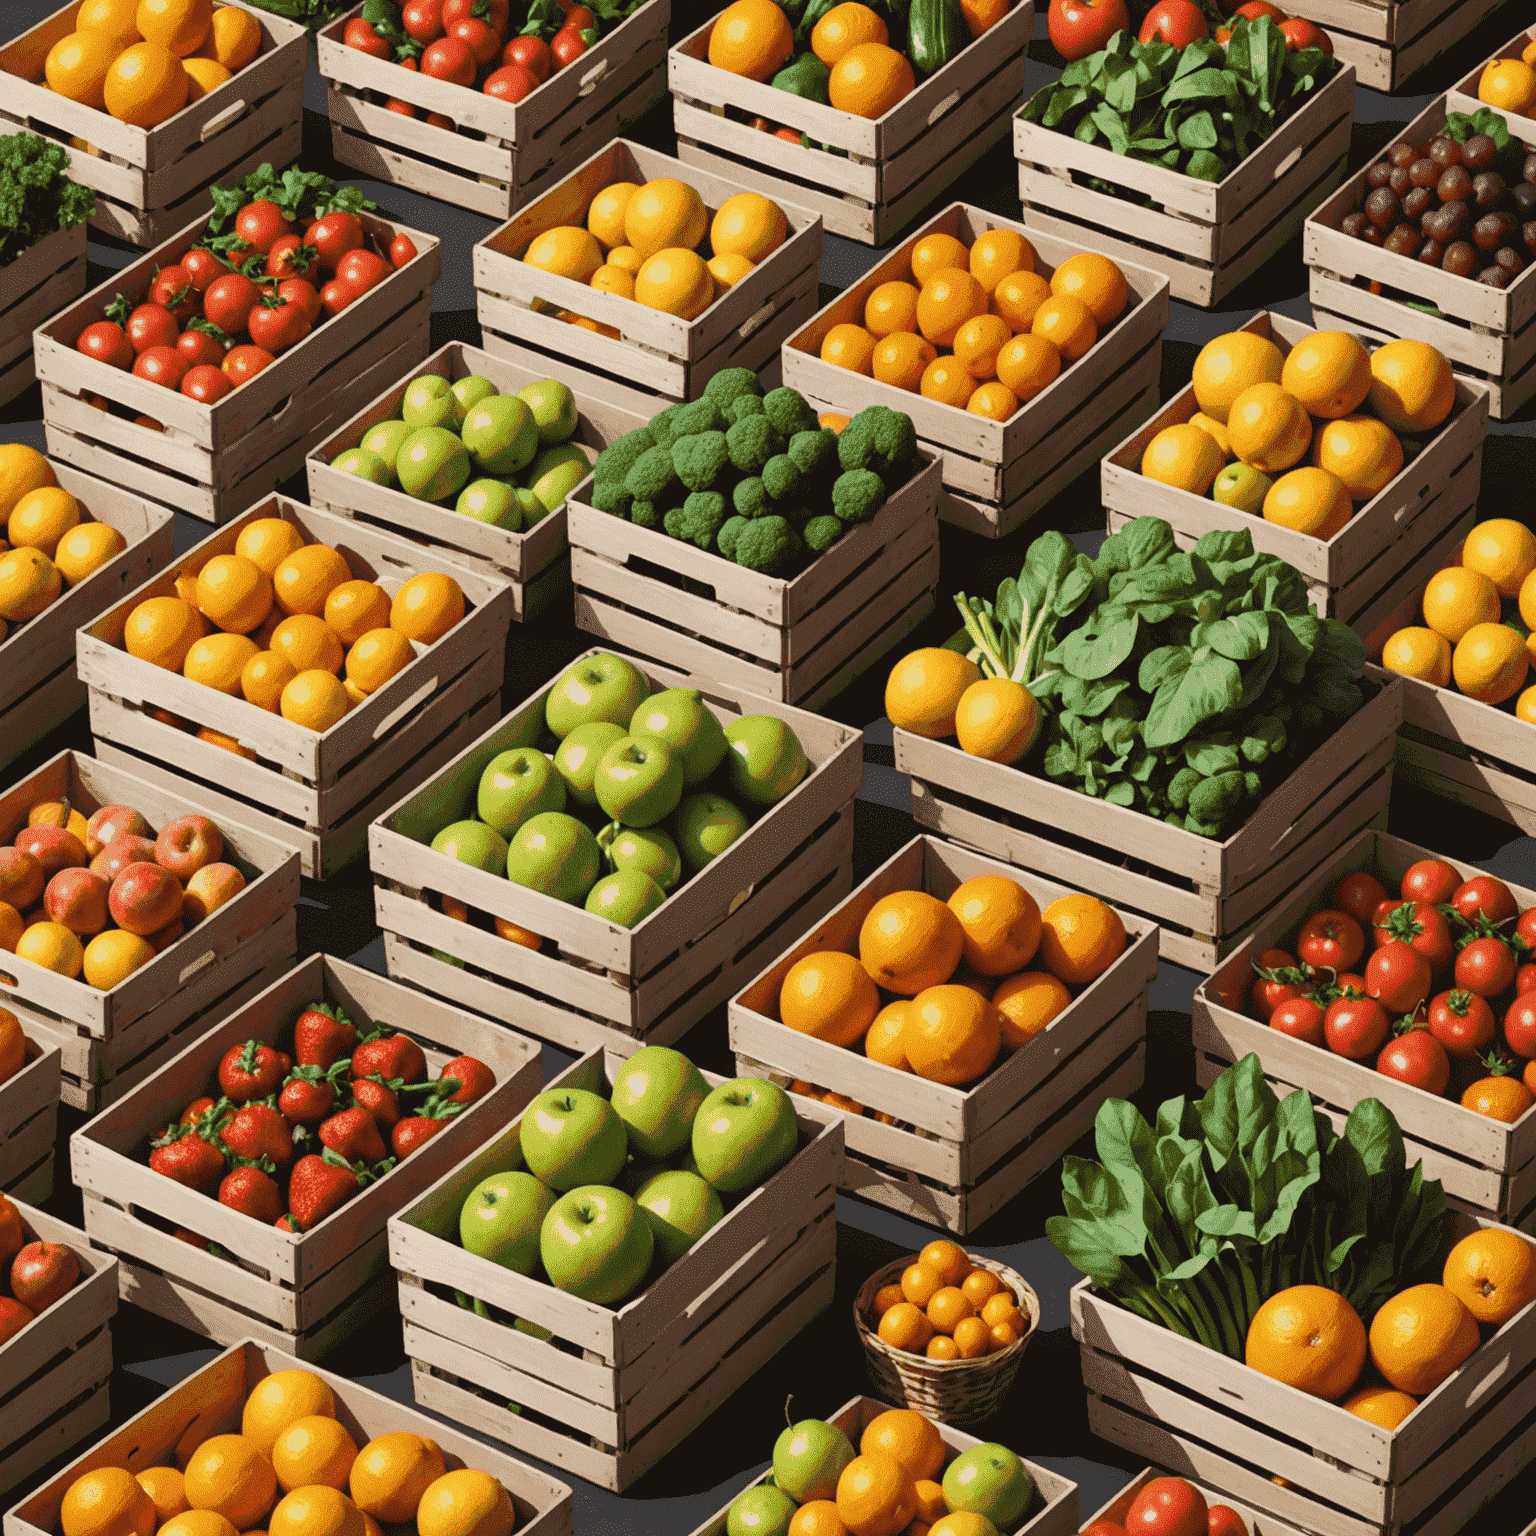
{"x":951,"y":1391}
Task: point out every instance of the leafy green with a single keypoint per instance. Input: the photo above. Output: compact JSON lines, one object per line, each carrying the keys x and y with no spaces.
{"x":1195,"y":1221}
{"x":1461,"y":127}
{"x":36,"y":195}
{"x":310,"y":13}
{"x":302,"y":195}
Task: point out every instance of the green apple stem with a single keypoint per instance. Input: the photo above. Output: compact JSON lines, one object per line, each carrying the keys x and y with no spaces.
{"x":789,"y":1422}
{"x":606,"y":836}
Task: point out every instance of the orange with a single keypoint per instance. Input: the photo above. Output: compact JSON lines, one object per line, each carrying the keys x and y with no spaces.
{"x":978,"y":342}
{"x":1080,"y":938}
{"x":876,"y":1495}
{"x":948,"y":299}
{"x":1000,"y":923}
{"x":268,"y":541}
{"x":829,"y":995}
{"x":945,"y":380}
{"x":307,"y":641}
{"x":844,"y":27}
{"x":882,"y":1040}
{"x":234,"y":593}
{"x":891,"y":307}
{"x":1028,"y":1002}
{"x":900,"y":359}
{"x":1501,"y":549}
{"x":946,"y":1259}
{"x":887,"y":1297}
{"x":1227,"y":365}
{"x":225,"y":743}
{"x":217,"y":661}
{"x":869,"y":80}
{"x":355,"y":607}
{"x":113,"y":955}
{"x":42,"y":517}
{"x":314,"y":699}
{"x":980,"y":1286}
{"x":1420,"y":1336}
{"x":263,"y":678}
{"x":1027,"y":364}
{"x":610,"y":279}
{"x":276,"y":1401}
{"x":1420,"y":653}
{"x":819,"y":1517}
{"x":908,"y":1437}
{"x":931,"y":1504}
{"x":606,"y":211}
{"x":180,"y":25}
{"x":905,"y":1326}
{"x":427,"y":607}
{"x":303,"y":581}
{"x":106,"y":1501}
{"x":1329,"y":372}
{"x":1385,"y":1406}
{"x":997,"y":719}
{"x":924,"y":690}
{"x":1412,"y":388}
{"x":1094,"y":280}
{"x":952,"y":1036}
{"x":1068,"y":323}
{"x":675,"y":281}
{"x":909,"y":941}
{"x":233,"y":1477}
{"x":1017,"y":297}
{"x":1310,"y":1338}
{"x":77,"y":66}
{"x":1363,"y":452}
{"x":935,"y":252}
{"x":1183,"y":456}
{"x":1310,"y":500}
{"x":751,"y":38}
{"x":1490,"y":663}
{"x":1500,"y":1098}
{"x":939,"y":1347}
{"x":376,"y":658}
{"x":203,"y":75}
{"x":567,"y":250}
{"x":165,"y":1486}
{"x":318,"y":1511}
{"x":161,"y":630}
{"x":145,"y":85}
{"x":234,"y":38}
{"x":29,"y":582}
{"x":1508,"y":85}
{"x":1457,"y":598}
{"x":391,"y":1474}
{"x":1217,"y":429}
{"x":947,"y":1307}
{"x":1268,"y":428}
{"x":1002,"y":1310}
{"x":972,"y":1337}
{"x":197,"y":1522}
{"x":85,"y":549}
{"x":993,"y":400}
{"x":667,"y":214}
{"x":962,"y":1522}
{"x":999,"y":253}
{"x":1492,"y":1273}
{"x":114,"y":18}
{"x":848,"y":346}
{"x":22,"y":469}
{"x":313,"y":1450}
{"x":920,"y":1282}
{"x":1525,"y":709}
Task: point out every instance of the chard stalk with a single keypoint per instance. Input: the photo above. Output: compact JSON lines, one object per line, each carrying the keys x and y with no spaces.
{"x":984,"y":653}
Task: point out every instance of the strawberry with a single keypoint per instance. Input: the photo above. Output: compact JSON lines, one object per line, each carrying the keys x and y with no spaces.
{"x":196,"y":1110}
{"x":252,"y":1071}
{"x":320,"y":1185}
{"x":354,"y":1135}
{"x":309,"y":1094}
{"x":182,"y":1154}
{"x":252,"y":1192}
{"x":389,"y":1056}
{"x":255,"y":1131}
{"x":379,"y":1098}
{"x":473,"y":1079}
{"x":322,"y":1036}
{"x":416,"y":1129}
{"x":284,"y":1223}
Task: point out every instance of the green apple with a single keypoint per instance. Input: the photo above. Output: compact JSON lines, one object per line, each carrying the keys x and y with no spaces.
{"x":572,"y":1136}
{"x":445,"y":958}
{"x":384,"y":438}
{"x":626,"y":897}
{"x":706,"y":826}
{"x":432,"y":464}
{"x":989,"y":1480}
{"x":761,"y":1510}
{"x":681,"y":720}
{"x":364,"y":463}
{"x":638,"y":781}
{"x":596,"y":1244}
{"x":529,"y":508}
{"x":681,"y":1208}
{"x":501,"y":1217}
{"x":501,"y":434}
{"x":657,"y":1094}
{"x":490,"y":501}
{"x":428,"y":402}
{"x":766,"y":759}
{"x":516,"y":784}
{"x":743,"y":1131}
{"x":808,"y":1459}
{"x":472,"y":842}
{"x":644,"y":848}
{"x":557,"y":472}
{"x":598,"y":687}
{"x":556,"y":854}
{"x":467,"y":393}
{"x":577,"y":757}
{"x":554,"y":409}
{"x":1241,"y":486}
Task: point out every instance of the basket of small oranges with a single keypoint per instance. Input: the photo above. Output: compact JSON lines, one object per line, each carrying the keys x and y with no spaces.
{"x":944,"y":1331}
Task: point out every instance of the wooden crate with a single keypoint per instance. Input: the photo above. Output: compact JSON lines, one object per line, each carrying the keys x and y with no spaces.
{"x":605,"y":985}
{"x":209,"y":1402}
{"x":1462,"y":97}
{"x":1209,"y":1417}
{"x":891,"y":168}
{"x":656,"y":358}
{"x":34,"y":287}
{"x":314,"y":791}
{"x":151,"y":181}
{"x":801,"y":639}
{"x":1257,"y":1521}
{"x":29,"y":1118}
{"x":213,"y":461}
{"x":1388,"y":41}
{"x":999,"y":474}
{"x":498,"y":154}
{"x":302,"y":1293}
{"x":1488,"y":1167}
{"x":1052,"y":1511}
{"x":111,"y":1040}
{"x":54,"y":1373}
{"x":1207,"y":236}
{"x":1488,"y":334}
{"x":617,"y":1387}
{"x":39,"y":686}
{"x":1395,"y":541}
{"x":533,"y":564}
{"x":956,"y":1156}
{"x":1204,"y":894}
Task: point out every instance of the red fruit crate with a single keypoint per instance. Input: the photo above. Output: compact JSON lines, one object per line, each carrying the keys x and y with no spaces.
{"x":1256,"y":1521}
{"x":34,"y":286}
{"x":29,"y":1118}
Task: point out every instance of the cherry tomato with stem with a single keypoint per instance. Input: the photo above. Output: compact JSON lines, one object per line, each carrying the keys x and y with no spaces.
{"x":278,"y":325}
{"x":1175,"y":22}
{"x":1168,"y":1506}
{"x":1299,"y":33}
{"x":510,"y":83}
{"x":1266,"y":994}
{"x":161,"y":365}
{"x":1423,"y":928}
{"x":1350,"y":984}
{"x":1430,"y":880}
{"x":1418,"y":1059}
{"x":1359,"y":893}
{"x":1330,"y":941}
{"x":1301,"y":1018}
{"x":566,"y":46}
{"x":107,"y":342}
{"x":1484,"y":896}
{"x":532,"y":53}
{"x":229,"y":301}
{"x":290,"y":256}
{"x":206,"y":383}
{"x":423,"y":20}
{"x":1398,"y":977}
{"x":335,"y":236}
{"x":1525,"y":929}
{"x":1486,"y":967}
{"x":336,"y":295}
{"x":1355,"y":1027}
{"x":579,"y":19}
{"x":479,"y":37}
{"x":172,"y":289}
{"x":359,"y":34}
{"x":261,"y":224}
{"x":243,"y":363}
{"x":1525,"y":978}
{"x":1462,"y":1022}
{"x":495,"y":13}
{"x":402,"y":249}
{"x":152,"y":325}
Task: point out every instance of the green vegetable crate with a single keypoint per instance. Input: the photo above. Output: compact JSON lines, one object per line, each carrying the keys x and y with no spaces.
{"x":1488,"y":334}
{"x":867,"y":177}
{"x":1205,"y":236}
{"x":592,"y":983}
{"x":656,"y":357}
{"x":33,"y":288}
{"x":498,"y":154}
{"x":1209,"y":1417}
{"x":1255,"y":1521}
{"x":1487,"y":1167}
{"x":1391,"y":544}
{"x":616,"y":1387}
{"x":952,"y":1157}
{"x":150,"y":181}
{"x":1391,"y":41}
{"x":998,"y":474}
{"x":29,"y":1116}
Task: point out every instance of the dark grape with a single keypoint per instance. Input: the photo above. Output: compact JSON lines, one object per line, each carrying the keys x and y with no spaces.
{"x":1487,"y":188}
{"x":1353,"y":223}
{"x":1528,"y":171}
{"x":1523,"y":196}
{"x":1381,"y":208}
{"x":1454,"y":185}
{"x":1460,"y":259}
{"x":1431,"y":253}
{"x":1372,"y":235}
{"x":1453,"y":222}
{"x":1405,"y":240}
{"x":1510,"y":259}
{"x":1419,"y":201}
{"x":1494,"y":277}
{"x":1528,"y":234}
{"x":1398,"y":180}
{"x":1444,"y":151}
{"x":1479,"y":152}
{"x":1378,"y":175}
{"x":1424,"y":173}
{"x":1493,"y":230}
{"x":1403,"y":153}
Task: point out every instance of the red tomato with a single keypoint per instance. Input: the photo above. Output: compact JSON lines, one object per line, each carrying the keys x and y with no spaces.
{"x":1330,"y":941}
{"x":160,"y":365}
{"x":1355,"y":1027}
{"x":1266,"y":995}
{"x":1254,"y":9}
{"x":479,"y":37}
{"x":260,"y":224}
{"x":1081,"y":27}
{"x":1167,"y":1506}
{"x":229,"y":301}
{"x":199,"y":347}
{"x":496,"y":13}
{"x":1462,"y":1022}
{"x":107,"y":342}
{"x":152,"y":325}
{"x":244,"y":363}
{"x":205,"y":383}
{"x":440,"y":120}
{"x":1528,"y":1077}
{"x":1431,"y":880}
{"x":1300,"y":33}
{"x":452,"y":59}
{"x":1301,"y":1018}
{"x":510,"y":83}
{"x":1520,"y":1024}
{"x":1525,"y":978}
{"x":1358,"y":893}
{"x":1103,"y":1528}
{"x":404,"y":108}
{"x":1420,"y":925}
{"x":1486,"y":967}
{"x":300,"y":291}
{"x":1351,"y":984}
{"x":1485,"y":895}
{"x":1177,"y":22}
{"x":402,"y":250}
{"x":1417,"y":1058}
{"x":336,"y":295}
{"x":360,"y":35}
{"x":566,"y":46}
{"x":579,"y":19}
{"x":1525,"y":929}
{"x":278,"y":326}
{"x":203,"y":267}
{"x":363,"y":268}
{"x":288,"y":257}
{"x":1225,"y":1521}
{"x":1398,"y":977}
{"x":533,"y":54}
{"x":423,"y":20}
{"x":335,"y":235}
{"x":172,"y":289}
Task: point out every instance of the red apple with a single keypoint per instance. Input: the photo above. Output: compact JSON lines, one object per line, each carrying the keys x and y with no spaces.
{"x":13,"y":1318}
{"x":78,"y":899}
{"x":53,"y":848}
{"x":43,"y":1272}
{"x":13,"y":1236}
{"x":163,"y":938}
{"x":188,"y":843}
{"x":110,"y":823}
{"x":144,"y":898}
{"x":120,"y":853}
{"x":208,"y":889}
{"x":21,"y":878}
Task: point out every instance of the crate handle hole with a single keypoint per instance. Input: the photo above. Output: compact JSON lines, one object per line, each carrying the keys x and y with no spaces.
{"x":222,"y":120}
{"x":943,"y":107}
{"x":593,"y":75}
{"x":761,"y":318}
{"x":9,"y":981}
{"x":202,"y":963}
{"x":1290,"y":161}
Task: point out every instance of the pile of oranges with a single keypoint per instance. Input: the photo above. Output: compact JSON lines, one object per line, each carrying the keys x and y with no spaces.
{"x":978,"y":327}
{"x":144,"y":60}
{"x":293,"y":1469}
{"x":285,"y":625}
{"x":1471,"y":610}
{"x":1510,"y":84}
{"x":48,"y":544}
{"x":947,"y":1308}
{"x":940,"y":989}
{"x":643,"y":243}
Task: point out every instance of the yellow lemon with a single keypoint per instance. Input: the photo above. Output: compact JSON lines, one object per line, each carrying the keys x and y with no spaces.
{"x":1421,"y":653}
{"x":1227,"y":365}
{"x":1267,"y":427}
{"x":1329,"y":372}
{"x":567,"y":251}
{"x":677,"y":282}
{"x":217,"y":661}
{"x":727,"y":271}
{"x":203,"y":75}
{"x":1362,"y":451}
{"x":1501,"y":549}
{"x":306,"y":640}
{"x":314,"y":699}
{"x":269,"y":541}
{"x":145,"y":85}
{"x":180,"y":25}
{"x":1183,"y":456}
{"x":1310,"y":500}
{"x":1412,"y":387}
{"x":22,"y":469}
{"x":375,"y":658}
{"x":611,"y":279}
{"x":234,"y":593}
{"x":1490,"y":663}
{"x":749,"y":225}
{"x":1457,"y":598}
{"x":427,"y":606}
{"x":665,"y":214}
{"x":85,"y":549}
{"x":41,"y":518}
{"x":605,"y":213}
{"x":263,"y":678}
{"x":234,"y":38}
{"x":29,"y":581}
{"x":161,"y":630}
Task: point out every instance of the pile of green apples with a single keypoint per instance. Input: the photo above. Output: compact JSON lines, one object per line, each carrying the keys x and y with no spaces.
{"x":646,"y":786}
{"x":611,"y":1191}
{"x":506,"y":460}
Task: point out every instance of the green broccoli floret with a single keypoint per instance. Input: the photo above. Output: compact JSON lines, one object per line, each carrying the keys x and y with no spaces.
{"x":730,"y":531}
{"x":857,"y":494}
{"x":752,"y":441}
{"x":789,"y":411}
{"x":821,"y":533}
{"x":743,"y":405}
{"x":699,"y":416}
{"x":615,"y":461}
{"x":769,"y":545}
{"x":699,"y":459}
{"x":881,"y":440}
{"x":730,"y":384}
{"x":698,"y":520}
{"x":750,"y":499}
{"x":782,"y":478}
{"x":645,"y":514}
{"x":661,"y":435}
{"x":815,"y":453}
{"x":611,"y":496}
{"x":651,"y":476}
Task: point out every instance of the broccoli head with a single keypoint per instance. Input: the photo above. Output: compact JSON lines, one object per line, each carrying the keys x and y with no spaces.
{"x":699,"y":459}
{"x":743,"y":405}
{"x":661,"y":434}
{"x":698,"y":520}
{"x":821,"y":533}
{"x":751,"y":442}
{"x":881,"y":440}
{"x":789,"y":411}
{"x":769,"y":545}
{"x":730,"y":384}
{"x":781,"y":478}
{"x":730,"y":530}
{"x":699,"y":416}
{"x":652,"y":476}
{"x":645,"y":514}
{"x":857,"y":494}
{"x":614,"y":462}
{"x":611,"y":496}
{"x":750,"y":499}
{"x":815,"y":453}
